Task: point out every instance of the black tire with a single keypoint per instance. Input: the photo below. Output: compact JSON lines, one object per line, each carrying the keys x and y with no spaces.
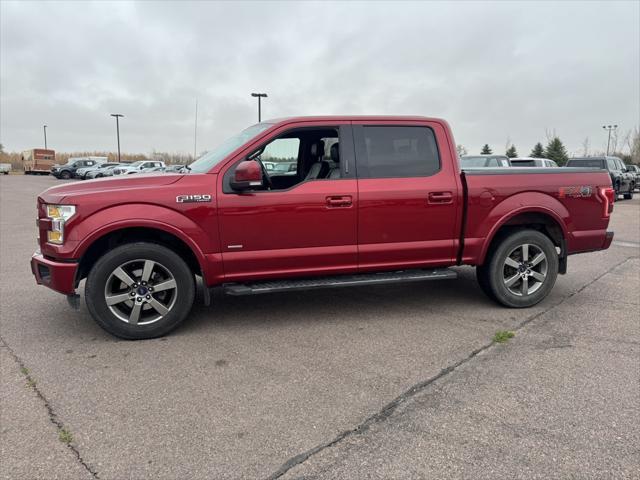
{"x":101,"y":273}
{"x":629,"y":194}
{"x":65,"y":175}
{"x":99,"y":175}
{"x":483,"y":281}
{"x":491,"y":275}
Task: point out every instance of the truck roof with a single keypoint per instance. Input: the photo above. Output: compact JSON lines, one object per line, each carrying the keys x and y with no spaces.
{"x":343,"y":118}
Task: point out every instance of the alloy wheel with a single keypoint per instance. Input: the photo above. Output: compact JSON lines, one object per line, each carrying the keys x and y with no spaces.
{"x":140,"y":292}
{"x":525,"y":270}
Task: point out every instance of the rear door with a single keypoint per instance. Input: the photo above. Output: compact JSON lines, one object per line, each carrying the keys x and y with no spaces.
{"x":409,"y":199}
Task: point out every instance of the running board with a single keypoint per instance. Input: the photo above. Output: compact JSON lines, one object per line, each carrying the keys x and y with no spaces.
{"x":270,"y":286}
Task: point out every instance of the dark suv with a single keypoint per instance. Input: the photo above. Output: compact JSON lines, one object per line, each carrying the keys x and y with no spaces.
{"x":623,"y":181}
{"x":68,"y":170}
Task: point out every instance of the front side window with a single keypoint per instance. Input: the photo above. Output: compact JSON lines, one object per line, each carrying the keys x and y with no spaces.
{"x":611,"y":164}
{"x":400,"y":151}
{"x":282,"y":154}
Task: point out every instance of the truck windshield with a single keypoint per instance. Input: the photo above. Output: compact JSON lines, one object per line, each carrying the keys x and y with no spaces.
{"x":212,"y":158}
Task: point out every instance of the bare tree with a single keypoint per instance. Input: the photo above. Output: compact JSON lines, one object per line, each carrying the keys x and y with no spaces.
{"x":461,"y":150}
{"x":633,"y":143}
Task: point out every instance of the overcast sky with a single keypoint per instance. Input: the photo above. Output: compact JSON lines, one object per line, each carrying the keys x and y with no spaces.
{"x":493,"y":70}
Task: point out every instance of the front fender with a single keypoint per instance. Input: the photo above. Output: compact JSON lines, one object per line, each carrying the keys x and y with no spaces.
{"x":103,"y":222}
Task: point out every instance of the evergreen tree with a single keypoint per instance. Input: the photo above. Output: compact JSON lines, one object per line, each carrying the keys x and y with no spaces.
{"x":486,"y":150}
{"x":538,"y":151}
{"x":511,"y":152}
{"x":555,"y":151}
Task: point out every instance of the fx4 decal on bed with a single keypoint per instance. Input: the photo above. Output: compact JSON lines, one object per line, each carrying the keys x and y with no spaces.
{"x":193,"y":198}
{"x":575,"y":192}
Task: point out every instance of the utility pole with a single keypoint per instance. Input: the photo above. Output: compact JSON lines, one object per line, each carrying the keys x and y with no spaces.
{"x":118,"y":115}
{"x":44,"y":127}
{"x":609,"y":128}
{"x":260,"y":96}
{"x":195,"y":133}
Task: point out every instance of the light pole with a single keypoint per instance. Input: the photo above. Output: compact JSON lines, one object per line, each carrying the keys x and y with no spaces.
{"x":44,"y":127}
{"x":609,"y":128}
{"x":118,"y":115}
{"x":260,"y":96}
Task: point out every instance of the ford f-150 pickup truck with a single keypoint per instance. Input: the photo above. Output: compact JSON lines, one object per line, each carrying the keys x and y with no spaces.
{"x":371,"y":200}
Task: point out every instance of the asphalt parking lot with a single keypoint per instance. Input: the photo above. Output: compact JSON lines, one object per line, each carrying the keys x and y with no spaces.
{"x":369,"y":382}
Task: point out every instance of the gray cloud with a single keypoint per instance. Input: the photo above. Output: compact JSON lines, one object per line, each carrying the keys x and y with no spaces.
{"x":494,"y":70}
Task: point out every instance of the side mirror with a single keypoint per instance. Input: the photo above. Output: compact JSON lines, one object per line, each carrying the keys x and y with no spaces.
{"x":247,"y":175}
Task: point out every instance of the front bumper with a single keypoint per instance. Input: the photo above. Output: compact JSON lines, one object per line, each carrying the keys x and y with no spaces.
{"x":58,"y":276}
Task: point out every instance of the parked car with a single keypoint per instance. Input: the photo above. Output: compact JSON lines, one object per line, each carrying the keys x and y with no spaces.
{"x":102,"y":172}
{"x":69,"y":169}
{"x":175,"y":168}
{"x":82,"y":173}
{"x":623,"y":181}
{"x":484,"y":161}
{"x":533,"y":162}
{"x":5,"y":168}
{"x":148,"y":170}
{"x":136,"y":167}
{"x":389,"y":205}
{"x":635,"y":170}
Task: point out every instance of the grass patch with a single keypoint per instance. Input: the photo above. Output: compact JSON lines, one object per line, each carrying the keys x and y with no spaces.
{"x":503,"y":336}
{"x":24,"y":370}
{"x":65,"y":436}
{"x":31,"y":382}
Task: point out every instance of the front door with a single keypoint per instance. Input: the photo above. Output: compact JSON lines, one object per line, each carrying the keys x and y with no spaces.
{"x":302,"y":222}
{"x":409,"y":198}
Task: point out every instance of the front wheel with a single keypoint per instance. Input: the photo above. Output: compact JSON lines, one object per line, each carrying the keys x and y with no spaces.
{"x":65,"y":175}
{"x":521,"y":270}
{"x":140,"y":290}
{"x":629,"y":194}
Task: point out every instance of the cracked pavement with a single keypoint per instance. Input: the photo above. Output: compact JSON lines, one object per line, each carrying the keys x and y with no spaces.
{"x":282,"y":385}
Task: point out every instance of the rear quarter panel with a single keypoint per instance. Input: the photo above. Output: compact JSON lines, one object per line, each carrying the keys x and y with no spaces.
{"x":571,"y":199}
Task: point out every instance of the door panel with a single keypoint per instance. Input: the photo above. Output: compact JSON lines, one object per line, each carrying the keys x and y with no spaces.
{"x":294,"y":232}
{"x":411,"y":221}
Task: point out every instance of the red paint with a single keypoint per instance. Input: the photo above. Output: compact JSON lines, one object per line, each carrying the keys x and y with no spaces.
{"x":321,"y":227}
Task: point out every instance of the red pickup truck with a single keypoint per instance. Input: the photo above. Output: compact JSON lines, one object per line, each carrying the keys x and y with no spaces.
{"x":360,"y":201}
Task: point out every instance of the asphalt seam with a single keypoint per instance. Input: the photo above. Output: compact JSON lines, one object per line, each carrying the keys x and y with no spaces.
{"x":53,"y":417}
{"x":390,"y":407}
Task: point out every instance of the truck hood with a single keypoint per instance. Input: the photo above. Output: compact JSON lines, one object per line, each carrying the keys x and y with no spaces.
{"x":122,"y":184}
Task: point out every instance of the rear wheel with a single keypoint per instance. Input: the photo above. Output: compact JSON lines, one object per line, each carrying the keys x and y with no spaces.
{"x":629,"y":194}
{"x":139,"y":291}
{"x":521,"y":270}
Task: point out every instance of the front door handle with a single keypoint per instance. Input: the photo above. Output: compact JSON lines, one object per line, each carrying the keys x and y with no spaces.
{"x":339,"y":201}
{"x":440,"y":198}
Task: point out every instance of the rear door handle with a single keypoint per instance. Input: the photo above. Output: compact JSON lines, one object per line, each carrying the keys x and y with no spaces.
{"x":339,"y":201}
{"x":440,"y":198}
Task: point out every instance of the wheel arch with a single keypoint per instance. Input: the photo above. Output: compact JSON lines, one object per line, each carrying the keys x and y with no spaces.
{"x":541,"y":219}
{"x":122,"y":234}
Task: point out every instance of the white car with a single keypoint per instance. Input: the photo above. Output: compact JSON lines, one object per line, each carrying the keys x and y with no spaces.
{"x":137,"y":167}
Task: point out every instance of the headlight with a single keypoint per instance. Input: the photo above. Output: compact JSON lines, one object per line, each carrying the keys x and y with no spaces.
{"x":58,"y":214}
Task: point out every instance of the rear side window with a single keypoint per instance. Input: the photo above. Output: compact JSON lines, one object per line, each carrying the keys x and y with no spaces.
{"x":398,"y":152}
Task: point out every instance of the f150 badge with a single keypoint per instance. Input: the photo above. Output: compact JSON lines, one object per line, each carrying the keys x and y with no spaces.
{"x":193,"y":198}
